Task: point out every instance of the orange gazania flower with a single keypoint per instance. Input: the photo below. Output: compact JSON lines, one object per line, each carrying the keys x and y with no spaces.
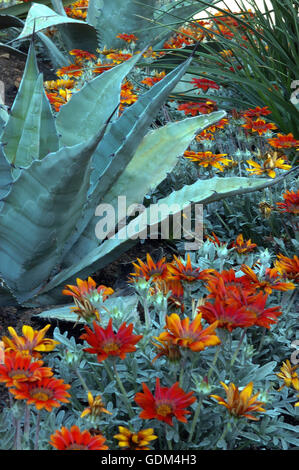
{"x":240,"y":403}
{"x":47,"y":393}
{"x":57,"y":84}
{"x":288,"y":375}
{"x":208,"y":158}
{"x":32,"y":342}
{"x":73,"y":70}
{"x":291,"y":202}
{"x":282,"y":141}
{"x":242,"y":246}
{"x":105,"y":343}
{"x":167,"y":403}
{"x":195,"y":108}
{"x":166,"y":347}
{"x":86,"y":289}
{"x":77,"y":9}
{"x":272,"y":280}
{"x":96,"y":406}
{"x":190,"y":335}
{"x":179,"y":271}
{"x":82,"y":55}
{"x":74,"y":439}
{"x":259,"y":125}
{"x":119,"y":57}
{"x":127,"y":37}
{"x":150,"y":269}
{"x":134,"y":440}
{"x":20,"y":368}
{"x":150,"y":81}
{"x":256,"y":112}
{"x":204,"y":84}
{"x":101,"y":68}
{"x":288,"y":267}
{"x":59,"y":99}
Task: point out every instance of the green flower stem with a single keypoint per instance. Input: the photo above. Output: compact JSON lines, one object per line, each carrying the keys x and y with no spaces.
{"x":238,"y":347}
{"x":37,"y":430}
{"x":78,"y":373}
{"x":217,"y":352}
{"x":123,"y":391}
{"x":169,"y":444}
{"x":225,"y":431}
{"x":26,"y":426}
{"x":195,"y":419}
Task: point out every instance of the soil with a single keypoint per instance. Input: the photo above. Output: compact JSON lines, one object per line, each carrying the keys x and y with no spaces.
{"x":11,"y":72}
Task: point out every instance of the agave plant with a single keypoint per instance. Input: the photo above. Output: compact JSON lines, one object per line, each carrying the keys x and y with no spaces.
{"x":54,"y":172}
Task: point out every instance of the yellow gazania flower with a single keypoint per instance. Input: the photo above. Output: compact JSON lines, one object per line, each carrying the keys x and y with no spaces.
{"x":57,"y":84}
{"x":240,"y":403}
{"x":271,"y":162}
{"x":135,"y":440}
{"x":208,"y":158}
{"x":95,"y":408}
{"x":288,"y":375}
{"x":32,"y":342}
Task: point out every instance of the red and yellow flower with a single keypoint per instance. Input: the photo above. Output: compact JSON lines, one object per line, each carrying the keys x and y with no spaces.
{"x":208,"y":158}
{"x":73,"y":70}
{"x":190,"y":335}
{"x":127,"y":37}
{"x":195,"y":108}
{"x":134,"y":440}
{"x":96,"y":406}
{"x":256,"y":112}
{"x":81,"y":55}
{"x":243,"y":246}
{"x":240,"y":404}
{"x":46,"y":393}
{"x":31,"y":343}
{"x":291,"y":202}
{"x":84,"y":289}
{"x":119,"y":57}
{"x":150,"y":269}
{"x":272,"y":280}
{"x":74,"y":439}
{"x":180,"y":271}
{"x":104,"y":342}
{"x":283,"y":141}
{"x":151,"y":81}
{"x":204,"y":84}
{"x":259,"y":125}
{"x":166,"y":403}
{"x":20,"y":368}
{"x":288,"y":267}
{"x":228,"y":315}
{"x":166,"y":347}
